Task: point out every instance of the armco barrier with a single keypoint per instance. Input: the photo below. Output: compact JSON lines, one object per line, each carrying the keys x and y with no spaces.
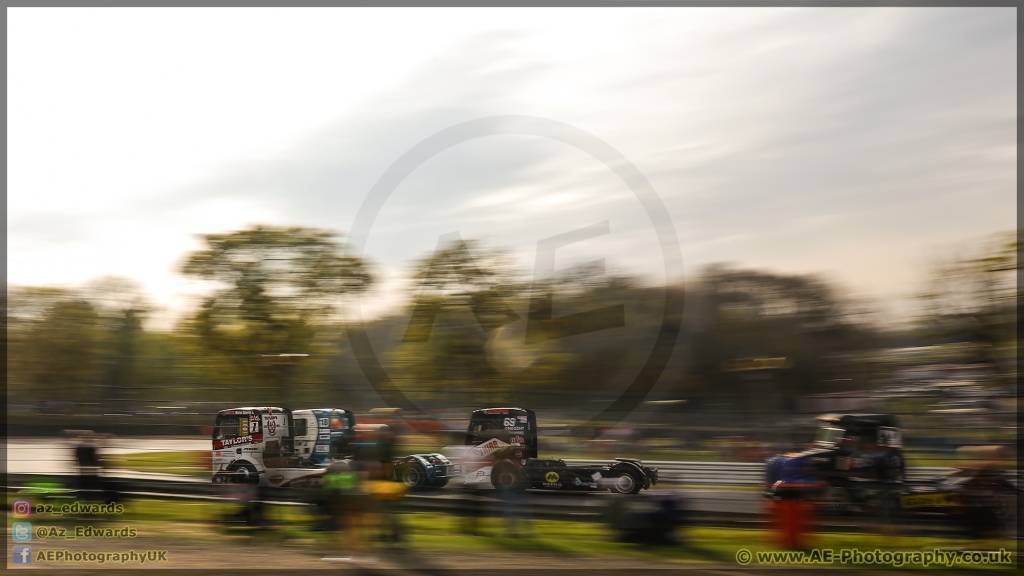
{"x":732,"y":473}
{"x":702,"y":510}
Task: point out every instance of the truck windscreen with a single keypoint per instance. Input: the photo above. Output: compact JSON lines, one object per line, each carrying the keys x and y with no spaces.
{"x":490,"y":422}
{"x":514,"y":427}
{"x":829,"y":435}
{"x":229,"y":427}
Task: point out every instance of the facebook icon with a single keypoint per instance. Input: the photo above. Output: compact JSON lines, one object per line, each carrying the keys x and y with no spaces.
{"x":21,"y":555}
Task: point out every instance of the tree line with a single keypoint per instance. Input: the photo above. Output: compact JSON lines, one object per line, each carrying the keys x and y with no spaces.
{"x":476,"y":331}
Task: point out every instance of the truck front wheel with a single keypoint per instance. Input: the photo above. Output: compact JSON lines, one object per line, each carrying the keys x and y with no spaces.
{"x":244,"y":473}
{"x":894,"y":470}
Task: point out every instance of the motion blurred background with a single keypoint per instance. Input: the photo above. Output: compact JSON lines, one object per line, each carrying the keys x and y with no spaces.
{"x":841,"y":182}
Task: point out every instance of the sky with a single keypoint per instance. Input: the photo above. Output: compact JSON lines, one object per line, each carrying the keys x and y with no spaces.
{"x":852,"y":143}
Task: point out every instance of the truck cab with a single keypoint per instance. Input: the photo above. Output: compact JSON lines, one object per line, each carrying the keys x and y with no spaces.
{"x":323,"y":434}
{"x":243,"y":438}
{"x":852,"y":456}
{"x":514,"y":427}
{"x":501,"y":450}
{"x":861,"y":446}
{"x":273,"y":446}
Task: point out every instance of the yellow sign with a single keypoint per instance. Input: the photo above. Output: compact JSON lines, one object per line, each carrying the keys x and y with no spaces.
{"x":930,"y":500}
{"x":551,"y":477}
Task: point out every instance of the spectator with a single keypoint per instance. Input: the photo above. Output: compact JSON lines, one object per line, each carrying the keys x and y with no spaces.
{"x":343,"y":485}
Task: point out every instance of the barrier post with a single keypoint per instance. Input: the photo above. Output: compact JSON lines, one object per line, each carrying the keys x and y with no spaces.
{"x":792,"y":522}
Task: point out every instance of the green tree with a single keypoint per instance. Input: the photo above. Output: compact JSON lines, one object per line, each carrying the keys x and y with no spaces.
{"x":273,"y":289}
{"x":465,"y":276}
{"x":463,"y":339}
{"x":973,"y":297}
{"x":54,"y":345}
{"x":122,"y":309}
{"x":735,"y":314}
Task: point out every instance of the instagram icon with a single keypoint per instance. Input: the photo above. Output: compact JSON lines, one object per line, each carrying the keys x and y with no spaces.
{"x":21,"y":508}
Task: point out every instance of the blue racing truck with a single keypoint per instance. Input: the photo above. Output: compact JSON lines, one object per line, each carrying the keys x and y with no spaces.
{"x":323,"y":434}
{"x":854,"y":456}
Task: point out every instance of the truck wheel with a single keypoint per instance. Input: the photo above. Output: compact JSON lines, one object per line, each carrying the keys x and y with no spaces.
{"x":412,"y":475}
{"x":894,"y":468}
{"x":625,"y":481}
{"x":889,"y":508}
{"x":836,"y":500}
{"x":506,"y":477}
{"x":981,"y":521}
{"x":1004,"y":509}
{"x":244,"y":473}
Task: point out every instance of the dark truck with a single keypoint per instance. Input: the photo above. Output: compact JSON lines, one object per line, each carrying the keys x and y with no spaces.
{"x":856,"y":466}
{"x":981,"y":499}
{"x":505,"y":441}
{"x":853,"y":457}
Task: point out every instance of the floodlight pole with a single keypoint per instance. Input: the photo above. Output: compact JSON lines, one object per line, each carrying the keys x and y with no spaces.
{"x":285,"y":367}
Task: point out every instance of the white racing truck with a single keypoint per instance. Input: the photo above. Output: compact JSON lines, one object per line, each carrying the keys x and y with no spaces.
{"x":500,"y":451}
{"x":273,"y":446}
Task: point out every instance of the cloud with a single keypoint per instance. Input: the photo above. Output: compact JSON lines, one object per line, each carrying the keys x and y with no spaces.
{"x":843,"y":140}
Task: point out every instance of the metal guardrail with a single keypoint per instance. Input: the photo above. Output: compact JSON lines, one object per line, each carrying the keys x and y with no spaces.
{"x":733,"y":473}
{"x":669,"y":472}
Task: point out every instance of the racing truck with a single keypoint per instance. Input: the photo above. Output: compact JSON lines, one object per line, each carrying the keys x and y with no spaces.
{"x":323,"y":434}
{"x":501,"y":448}
{"x":375,"y":442}
{"x":273,"y":446}
{"x":278,"y":447}
{"x":424,"y":470}
{"x":853,"y":457}
{"x":981,"y":499}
